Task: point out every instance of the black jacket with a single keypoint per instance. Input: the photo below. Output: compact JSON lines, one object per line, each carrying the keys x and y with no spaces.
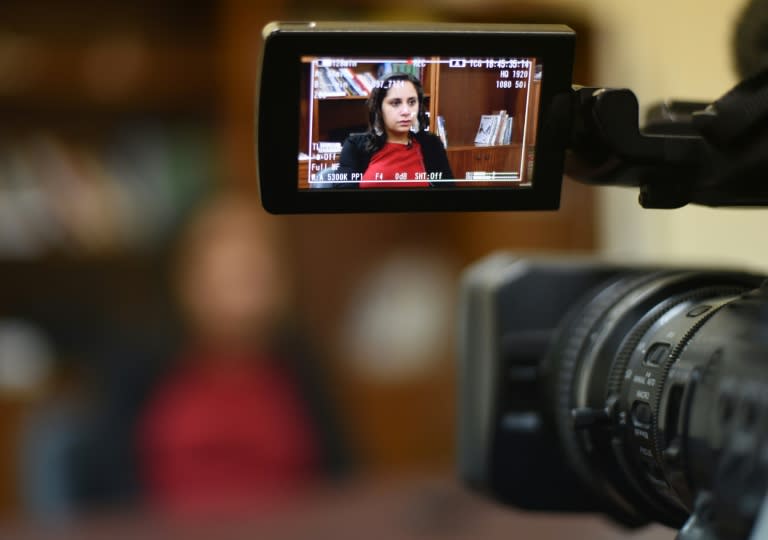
{"x":355,"y":157}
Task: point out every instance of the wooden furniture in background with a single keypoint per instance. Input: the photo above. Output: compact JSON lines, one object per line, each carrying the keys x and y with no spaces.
{"x":94,"y":83}
{"x":196,"y":62}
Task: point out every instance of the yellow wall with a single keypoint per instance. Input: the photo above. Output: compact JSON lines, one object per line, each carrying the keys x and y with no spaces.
{"x":679,"y":49}
{"x":660,"y":49}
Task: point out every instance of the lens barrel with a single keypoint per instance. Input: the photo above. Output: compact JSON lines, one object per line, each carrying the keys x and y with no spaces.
{"x":635,"y":375}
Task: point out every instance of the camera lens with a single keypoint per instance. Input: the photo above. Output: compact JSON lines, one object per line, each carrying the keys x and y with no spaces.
{"x":634,"y":373}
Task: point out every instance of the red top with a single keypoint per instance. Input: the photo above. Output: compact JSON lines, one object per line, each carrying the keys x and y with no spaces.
{"x":396,"y":162}
{"x":222,"y":438}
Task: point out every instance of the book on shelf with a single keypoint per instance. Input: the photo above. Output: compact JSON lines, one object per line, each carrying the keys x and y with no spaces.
{"x":502,"y":123}
{"x":352,"y":82}
{"x":488,"y":130}
{"x":441,"y":130}
{"x":367,"y":80}
{"x":508,"y":125}
{"x":494,"y":129}
{"x":400,"y":67}
{"x":332,"y":82}
{"x":328,"y":83}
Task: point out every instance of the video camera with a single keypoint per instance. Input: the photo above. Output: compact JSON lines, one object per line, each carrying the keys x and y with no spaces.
{"x":638,"y":393}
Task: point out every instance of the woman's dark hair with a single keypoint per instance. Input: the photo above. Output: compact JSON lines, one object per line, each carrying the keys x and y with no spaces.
{"x":377,"y":135}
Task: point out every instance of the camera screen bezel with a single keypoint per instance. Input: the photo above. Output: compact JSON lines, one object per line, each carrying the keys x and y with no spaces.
{"x":278,"y":126}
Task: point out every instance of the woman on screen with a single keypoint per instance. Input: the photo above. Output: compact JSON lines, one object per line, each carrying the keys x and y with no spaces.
{"x":396,"y":151}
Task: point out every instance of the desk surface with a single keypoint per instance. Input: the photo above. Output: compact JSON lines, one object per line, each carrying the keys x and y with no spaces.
{"x":430,"y":509}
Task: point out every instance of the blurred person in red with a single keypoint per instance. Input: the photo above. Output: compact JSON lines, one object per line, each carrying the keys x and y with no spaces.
{"x":237,"y":423}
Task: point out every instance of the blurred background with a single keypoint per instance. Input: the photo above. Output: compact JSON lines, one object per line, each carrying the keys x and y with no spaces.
{"x":126,"y":133}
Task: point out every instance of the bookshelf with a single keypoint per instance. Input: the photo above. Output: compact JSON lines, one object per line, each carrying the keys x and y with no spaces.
{"x":107,"y":135}
{"x":108,"y":138}
{"x":335,"y":116}
{"x":462,"y":118}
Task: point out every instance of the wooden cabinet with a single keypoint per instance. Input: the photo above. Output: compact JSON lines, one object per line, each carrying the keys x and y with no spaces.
{"x":464,"y":159}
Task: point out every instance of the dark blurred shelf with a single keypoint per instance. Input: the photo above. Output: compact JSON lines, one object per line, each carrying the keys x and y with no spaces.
{"x":106,"y":77}
{"x":115,"y":282}
{"x":93,"y":268}
{"x":78,"y":17}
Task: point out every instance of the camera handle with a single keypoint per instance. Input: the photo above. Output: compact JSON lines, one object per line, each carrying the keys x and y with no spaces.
{"x":720,"y":160}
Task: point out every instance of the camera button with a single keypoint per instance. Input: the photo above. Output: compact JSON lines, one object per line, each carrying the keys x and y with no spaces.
{"x":657,"y":353}
{"x":642,"y":415}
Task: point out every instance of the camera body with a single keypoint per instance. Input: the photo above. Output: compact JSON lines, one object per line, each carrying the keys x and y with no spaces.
{"x":640,"y":393}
